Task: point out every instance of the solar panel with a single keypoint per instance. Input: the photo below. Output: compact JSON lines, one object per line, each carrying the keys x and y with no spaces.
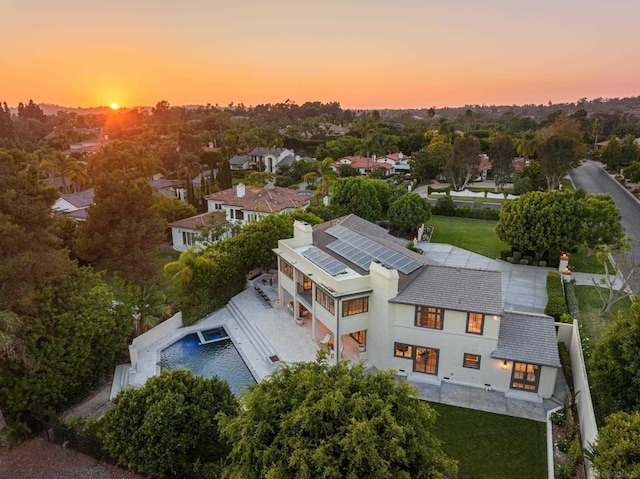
{"x":361,"y":251}
{"x":324,"y":260}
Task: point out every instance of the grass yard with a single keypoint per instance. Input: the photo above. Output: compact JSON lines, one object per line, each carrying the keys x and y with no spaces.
{"x":593,"y":325}
{"x":578,"y":263}
{"x":478,"y":236}
{"x":491,"y":446}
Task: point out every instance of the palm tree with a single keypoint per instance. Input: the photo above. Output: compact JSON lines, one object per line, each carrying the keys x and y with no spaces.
{"x":526,"y":144}
{"x":152,"y":307}
{"x":181,"y":272}
{"x":65,"y":166}
{"x":323,"y":170}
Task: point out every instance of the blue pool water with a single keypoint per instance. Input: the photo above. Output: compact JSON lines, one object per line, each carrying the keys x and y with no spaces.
{"x":220,"y":358}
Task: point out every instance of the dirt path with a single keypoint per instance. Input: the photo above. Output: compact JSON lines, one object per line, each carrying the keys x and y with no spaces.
{"x":39,"y":459}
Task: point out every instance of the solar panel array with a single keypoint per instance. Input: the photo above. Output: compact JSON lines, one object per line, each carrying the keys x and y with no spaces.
{"x":324,"y":260}
{"x":362,"y":251}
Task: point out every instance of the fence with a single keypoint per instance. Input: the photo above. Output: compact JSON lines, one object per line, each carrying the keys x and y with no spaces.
{"x":154,"y":334}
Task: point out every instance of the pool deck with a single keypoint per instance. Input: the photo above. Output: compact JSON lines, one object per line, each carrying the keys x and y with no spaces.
{"x":256,"y":328}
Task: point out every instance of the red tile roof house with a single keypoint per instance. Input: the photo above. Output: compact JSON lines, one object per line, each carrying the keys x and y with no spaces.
{"x":241,"y":205}
{"x":365,"y":165}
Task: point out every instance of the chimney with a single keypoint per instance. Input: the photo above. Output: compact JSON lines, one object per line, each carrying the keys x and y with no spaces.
{"x":240,"y":190}
{"x":400,"y":156}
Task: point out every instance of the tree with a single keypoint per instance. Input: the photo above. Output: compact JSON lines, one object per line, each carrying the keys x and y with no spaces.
{"x":65,"y":166}
{"x":259,"y":179}
{"x":601,"y":223}
{"x":530,"y":179}
{"x":409,"y":211}
{"x":464,"y":161}
{"x":123,"y":230}
{"x":71,"y":341}
{"x":312,"y":419}
{"x":224,"y":176}
{"x":6,"y":124}
{"x":501,"y":154}
{"x":168,"y":428}
{"x":324,"y":171}
{"x":428,"y":162}
{"x":559,"y":147}
{"x":9,"y":344}
{"x":172,"y":209}
{"x":358,"y":196}
{"x":616,"y":452}
{"x":615,"y":371}
{"x":151,"y":307}
{"x":613,"y":288}
{"x":30,"y":254}
{"x":542,"y":221}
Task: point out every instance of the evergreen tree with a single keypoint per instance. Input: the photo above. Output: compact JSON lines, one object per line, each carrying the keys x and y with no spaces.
{"x":224,"y":176}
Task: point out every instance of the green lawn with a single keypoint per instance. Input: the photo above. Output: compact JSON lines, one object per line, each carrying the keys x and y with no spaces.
{"x":492,"y":446}
{"x":593,"y":325}
{"x":578,"y":263}
{"x":567,"y":185}
{"x":474,"y":235}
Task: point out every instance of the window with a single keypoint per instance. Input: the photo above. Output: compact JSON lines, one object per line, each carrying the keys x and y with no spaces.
{"x":426,"y":360}
{"x":306,"y":284}
{"x":475,"y":323}
{"x":286,"y":268}
{"x":355,"y":306}
{"x":403,"y":350}
{"x":360,"y":336}
{"x":326,"y":301}
{"x":239,"y":215}
{"x":217,"y":206}
{"x":428,"y":317}
{"x":188,"y":238}
{"x":525,"y":376}
{"x":471,"y":361}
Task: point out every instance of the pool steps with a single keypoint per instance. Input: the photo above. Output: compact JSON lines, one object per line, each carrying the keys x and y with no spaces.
{"x":262,"y":344}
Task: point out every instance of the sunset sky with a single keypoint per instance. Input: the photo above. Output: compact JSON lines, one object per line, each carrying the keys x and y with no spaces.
{"x":362,"y":53}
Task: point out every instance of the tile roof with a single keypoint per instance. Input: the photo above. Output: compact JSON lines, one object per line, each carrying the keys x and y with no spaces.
{"x":267,"y":200}
{"x":362,"y":162}
{"x":203,"y":220}
{"x":460,"y":289}
{"x":528,"y":338}
{"x":80,"y":199}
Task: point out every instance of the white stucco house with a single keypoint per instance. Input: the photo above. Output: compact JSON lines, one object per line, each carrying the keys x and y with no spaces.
{"x":238,"y":205}
{"x":431,"y":323}
{"x":75,"y":205}
{"x":267,"y":159}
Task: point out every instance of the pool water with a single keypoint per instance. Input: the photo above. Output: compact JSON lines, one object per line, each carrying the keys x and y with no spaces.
{"x":220,"y":358}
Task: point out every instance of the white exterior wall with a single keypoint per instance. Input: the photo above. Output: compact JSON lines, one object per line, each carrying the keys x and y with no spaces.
{"x":176,"y":239}
{"x":63,"y":205}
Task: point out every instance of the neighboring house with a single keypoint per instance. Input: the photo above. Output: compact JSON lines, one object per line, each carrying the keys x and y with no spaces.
{"x":239,"y":162}
{"x":238,"y":205}
{"x":267,"y":159}
{"x":392,"y":163}
{"x":193,"y":231}
{"x":164,"y":186}
{"x":484,"y":170}
{"x":75,"y":205}
{"x":399,"y":161}
{"x":429,"y":322}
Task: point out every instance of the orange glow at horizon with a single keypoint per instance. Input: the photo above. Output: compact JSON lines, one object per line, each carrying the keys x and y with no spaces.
{"x":361,"y":53}
{"x":115,"y":106}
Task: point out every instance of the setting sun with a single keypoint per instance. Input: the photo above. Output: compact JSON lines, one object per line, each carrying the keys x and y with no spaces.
{"x":114,"y":106}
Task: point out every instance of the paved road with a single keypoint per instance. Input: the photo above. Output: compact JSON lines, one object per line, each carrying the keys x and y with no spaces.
{"x":594,"y":179}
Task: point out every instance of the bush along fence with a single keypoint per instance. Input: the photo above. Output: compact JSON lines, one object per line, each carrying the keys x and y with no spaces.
{"x":556,"y":304}
{"x":446,"y":207}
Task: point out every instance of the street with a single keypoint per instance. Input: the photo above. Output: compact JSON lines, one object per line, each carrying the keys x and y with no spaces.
{"x":591,"y":177}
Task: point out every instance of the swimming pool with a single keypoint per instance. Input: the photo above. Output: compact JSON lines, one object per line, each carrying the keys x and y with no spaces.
{"x":218,"y":358}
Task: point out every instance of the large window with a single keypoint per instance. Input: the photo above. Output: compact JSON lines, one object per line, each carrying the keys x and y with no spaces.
{"x":306,"y":283}
{"x":360,"y":336}
{"x":475,"y":323}
{"x":429,"y":317}
{"x":525,"y":376}
{"x":426,"y":360}
{"x":326,"y":301}
{"x":188,"y":238}
{"x":286,"y":268}
{"x":403,"y":350}
{"x":355,"y":306}
{"x":471,"y":361}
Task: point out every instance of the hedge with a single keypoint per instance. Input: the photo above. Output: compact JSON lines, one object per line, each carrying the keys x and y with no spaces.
{"x":556,"y":304}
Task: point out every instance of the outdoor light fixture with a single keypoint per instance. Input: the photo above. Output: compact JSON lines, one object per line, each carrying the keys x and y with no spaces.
{"x":504,"y":364}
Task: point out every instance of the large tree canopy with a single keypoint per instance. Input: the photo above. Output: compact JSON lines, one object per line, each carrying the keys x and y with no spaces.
{"x":462,"y":165}
{"x":616,"y":452}
{"x":168,"y":427}
{"x":616,"y":365}
{"x":541,"y":221}
{"x":333,"y":421}
{"x":501,"y":154}
{"x":71,"y":343}
{"x":409,"y":211}
{"x":358,"y":196}
{"x":123,"y":230}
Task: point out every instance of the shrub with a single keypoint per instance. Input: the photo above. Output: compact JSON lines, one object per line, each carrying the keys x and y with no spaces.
{"x":542,"y":263}
{"x":517,"y":255}
{"x":504,"y":254}
{"x":444,"y":207}
{"x":572,"y":299}
{"x":524,"y":261}
{"x":556,"y":304}
{"x":510,"y":259}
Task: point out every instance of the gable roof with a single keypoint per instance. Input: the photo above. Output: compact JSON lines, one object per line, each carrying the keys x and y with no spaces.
{"x":459,"y":289}
{"x":262,"y":151}
{"x":81,"y":199}
{"x":239,"y":160}
{"x":266,"y":200}
{"x":528,"y":338}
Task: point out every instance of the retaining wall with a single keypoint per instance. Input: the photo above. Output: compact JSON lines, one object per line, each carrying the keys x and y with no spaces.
{"x":154,"y":334}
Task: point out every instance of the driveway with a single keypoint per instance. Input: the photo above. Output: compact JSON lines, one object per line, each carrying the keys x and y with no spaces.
{"x":594,"y":179}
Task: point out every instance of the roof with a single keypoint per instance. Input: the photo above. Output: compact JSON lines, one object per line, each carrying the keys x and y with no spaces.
{"x":454,"y":288}
{"x":81,"y":199}
{"x":287,"y":160}
{"x":268,"y":200}
{"x":321,"y":238}
{"x":529,"y":338}
{"x":239,"y":160}
{"x":262,"y":151}
{"x":397,"y":156}
{"x":358,"y":162}
{"x":200,"y":221}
